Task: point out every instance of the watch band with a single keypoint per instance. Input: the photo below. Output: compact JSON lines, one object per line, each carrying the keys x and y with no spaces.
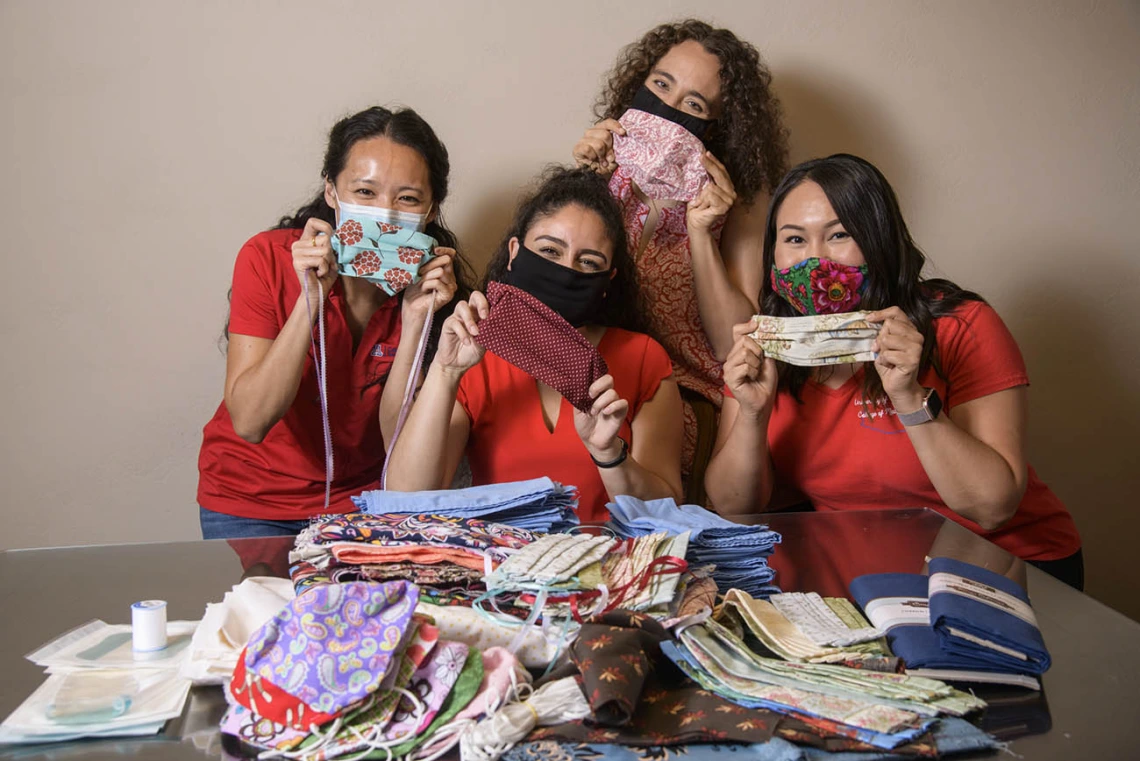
{"x":617,"y":460}
{"x":930,"y":409}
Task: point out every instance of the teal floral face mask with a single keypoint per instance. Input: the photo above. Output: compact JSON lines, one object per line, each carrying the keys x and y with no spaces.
{"x":381,"y":245}
{"x":821,"y":286}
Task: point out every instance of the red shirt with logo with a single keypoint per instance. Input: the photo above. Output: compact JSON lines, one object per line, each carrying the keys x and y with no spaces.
{"x":283,"y":477}
{"x":843,"y":456}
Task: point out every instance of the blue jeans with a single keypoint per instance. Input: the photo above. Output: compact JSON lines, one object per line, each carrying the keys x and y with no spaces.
{"x":223,"y":526}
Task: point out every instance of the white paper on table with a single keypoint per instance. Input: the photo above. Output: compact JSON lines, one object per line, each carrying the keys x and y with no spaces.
{"x":97,"y":644}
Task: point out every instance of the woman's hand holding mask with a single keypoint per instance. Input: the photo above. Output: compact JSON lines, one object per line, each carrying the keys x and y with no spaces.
{"x":715,"y":200}
{"x":312,"y":251}
{"x":596,"y":148}
{"x":435,"y":288}
{"x":458,"y":350}
{"x":749,"y":374}
{"x":599,"y":427}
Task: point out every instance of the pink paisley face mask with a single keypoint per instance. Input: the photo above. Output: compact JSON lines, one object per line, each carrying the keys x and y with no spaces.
{"x":662,"y":157}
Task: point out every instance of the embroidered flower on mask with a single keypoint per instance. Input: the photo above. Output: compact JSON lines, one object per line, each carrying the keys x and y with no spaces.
{"x":366,"y":263}
{"x":410,"y":255}
{"x":398,"y":280}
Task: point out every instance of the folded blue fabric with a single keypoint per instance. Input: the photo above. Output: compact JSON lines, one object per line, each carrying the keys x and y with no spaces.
{"x":984,"y":616}
{"x":740,"y":553}
{"x":897,"y":602}
{"x":539,"y":504}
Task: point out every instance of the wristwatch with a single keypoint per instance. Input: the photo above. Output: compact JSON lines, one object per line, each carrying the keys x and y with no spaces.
{"x":931,"y":407}
{"x":617,"y":460}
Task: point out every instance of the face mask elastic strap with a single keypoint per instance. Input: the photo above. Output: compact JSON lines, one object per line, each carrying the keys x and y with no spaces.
{"x":322,"y":377}
{"x":409,"y":390}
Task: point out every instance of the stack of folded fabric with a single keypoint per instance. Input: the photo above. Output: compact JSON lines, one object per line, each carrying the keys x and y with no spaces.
{"x":740,"y":553}
{"x":445,"y":556}
{"x":963,"y":621}
{"x":884,"y":710}
{"x":811,"y":629}
{"x":351,"y":668}
{"x":539,"y":504}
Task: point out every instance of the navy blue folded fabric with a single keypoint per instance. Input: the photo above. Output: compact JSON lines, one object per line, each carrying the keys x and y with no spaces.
{"x":986,"y":617}
{"x":897,"y":602}
{"x":539,"y":504}
{"x":739,"y":552}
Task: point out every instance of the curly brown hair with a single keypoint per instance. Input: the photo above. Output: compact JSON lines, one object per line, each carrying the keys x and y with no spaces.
{"x":749,"y":137}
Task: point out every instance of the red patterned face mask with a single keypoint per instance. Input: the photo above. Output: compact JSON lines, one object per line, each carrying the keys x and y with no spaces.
{"x":661,"y":156}
{"x":532,"y":337}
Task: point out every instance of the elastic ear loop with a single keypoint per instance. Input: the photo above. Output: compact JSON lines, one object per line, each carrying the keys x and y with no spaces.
{"x":409,"y":390}
{"x":322,"y":377}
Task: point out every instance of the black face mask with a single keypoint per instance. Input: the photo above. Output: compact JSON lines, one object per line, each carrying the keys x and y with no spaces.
{"x":576,"y":296}
{"x":646,"y":101}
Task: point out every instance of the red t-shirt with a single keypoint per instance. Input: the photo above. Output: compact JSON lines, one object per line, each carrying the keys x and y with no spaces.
{"x":842,"y":458}
{"x":509,"y":440}
{"x":283,"y":477}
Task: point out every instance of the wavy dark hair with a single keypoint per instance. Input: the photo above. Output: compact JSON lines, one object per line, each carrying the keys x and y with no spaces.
{"x":405,"y":127}
{"x":749,"y":136}
{"x":557,"y":188}
{"x":867,"y":207}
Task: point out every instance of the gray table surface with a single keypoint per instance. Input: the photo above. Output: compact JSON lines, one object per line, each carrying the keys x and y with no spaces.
{"x":1090,"y":707}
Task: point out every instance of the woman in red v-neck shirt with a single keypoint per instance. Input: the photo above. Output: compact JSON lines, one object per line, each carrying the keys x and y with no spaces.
{"x":937,"y":420}
{"x":567,"y":248}
{"x":262,"y":462}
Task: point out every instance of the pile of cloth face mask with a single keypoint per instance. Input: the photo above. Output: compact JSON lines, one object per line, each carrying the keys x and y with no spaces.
{"x":538,"y":504}
{"x":353,"y":669}
{"x":740,"y":553}
{"x":884,"y":710}
{"x":566,"y":577}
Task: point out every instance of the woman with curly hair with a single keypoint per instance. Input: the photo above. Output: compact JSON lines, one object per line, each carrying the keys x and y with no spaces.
{"x":698,"y":263}
{"x":567,"y":248}
{"x":937,"y":418}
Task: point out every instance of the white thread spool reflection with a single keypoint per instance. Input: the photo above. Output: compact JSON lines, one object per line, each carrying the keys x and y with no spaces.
{"x":148,"y":626}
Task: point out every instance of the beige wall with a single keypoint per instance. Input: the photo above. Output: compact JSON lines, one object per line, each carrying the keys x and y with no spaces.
{"x":143,"y":142}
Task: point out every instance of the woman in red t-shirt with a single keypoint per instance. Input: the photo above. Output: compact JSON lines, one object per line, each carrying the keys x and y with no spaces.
{"x":262,"y":465}
{"x":566,"y":248}
{"x":937,"y":420}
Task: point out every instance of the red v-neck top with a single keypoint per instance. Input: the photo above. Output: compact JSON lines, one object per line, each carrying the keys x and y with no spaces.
{"x":283,"y":477}
{"x":509,"y":440}
{"x":845,"y":457}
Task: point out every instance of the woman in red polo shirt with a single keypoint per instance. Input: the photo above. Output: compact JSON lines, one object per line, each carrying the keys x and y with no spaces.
{"x":566,"y":248}
{"x":937,"y":420}
{"x":262,"y":464}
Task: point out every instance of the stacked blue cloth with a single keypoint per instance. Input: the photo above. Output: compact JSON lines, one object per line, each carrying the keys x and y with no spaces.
{"x":739,"y":552}
{"x":537,"y":505}
{"x":961,"y":617}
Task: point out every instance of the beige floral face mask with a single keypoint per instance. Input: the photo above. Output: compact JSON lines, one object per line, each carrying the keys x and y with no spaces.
{"x":824,"y":339}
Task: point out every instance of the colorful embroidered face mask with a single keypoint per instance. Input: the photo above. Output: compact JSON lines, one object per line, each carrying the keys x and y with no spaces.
{"x":821,"y":286}
{"x":534,"y":338}
{"x":575,"y":296}
{"x":826,"y":339}
{"x":662,"y":155}
{"x":383,"y":246}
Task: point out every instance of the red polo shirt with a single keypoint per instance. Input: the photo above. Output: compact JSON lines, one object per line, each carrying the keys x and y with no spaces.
{"x":283,"y":477}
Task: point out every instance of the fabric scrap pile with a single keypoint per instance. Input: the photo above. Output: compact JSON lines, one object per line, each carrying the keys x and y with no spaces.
{"x":961,"y":621}
{"x":740,"y":553}
{"x":539,"y":505}
{"x":351,"y":668}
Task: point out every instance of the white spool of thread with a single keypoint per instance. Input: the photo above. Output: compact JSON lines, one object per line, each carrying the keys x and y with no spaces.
{"x":148,"y":625}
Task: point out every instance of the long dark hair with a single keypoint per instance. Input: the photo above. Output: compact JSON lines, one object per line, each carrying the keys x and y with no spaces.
{"x":867,"y":207}
{"x":749,"y":136}
{"x":405,"y":127}
{"x":557,"y":188}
